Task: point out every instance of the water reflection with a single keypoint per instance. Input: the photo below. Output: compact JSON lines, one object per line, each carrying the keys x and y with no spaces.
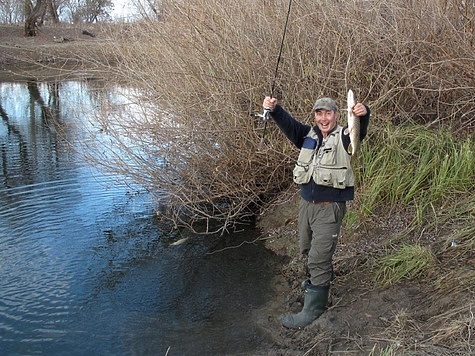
{"x":85,"y":267}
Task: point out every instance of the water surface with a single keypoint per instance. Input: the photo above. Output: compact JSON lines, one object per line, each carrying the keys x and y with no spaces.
{"x":86,"y":267}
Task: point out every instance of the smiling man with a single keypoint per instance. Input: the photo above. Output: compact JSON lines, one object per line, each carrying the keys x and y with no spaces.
{"x":326,"y":181}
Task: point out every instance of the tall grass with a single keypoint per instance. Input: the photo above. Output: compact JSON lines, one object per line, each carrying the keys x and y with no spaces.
{"x":406,"y":263}
{"x":414,"y":165}
{"x":430,"y":174}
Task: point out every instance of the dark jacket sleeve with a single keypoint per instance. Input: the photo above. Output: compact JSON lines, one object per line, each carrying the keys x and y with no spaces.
{"x":293,"y":129}
{"x":364,"y":123}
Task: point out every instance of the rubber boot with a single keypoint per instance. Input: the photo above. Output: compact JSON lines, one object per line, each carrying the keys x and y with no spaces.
{"x":305,"y":284}
{"x":314,"y":305}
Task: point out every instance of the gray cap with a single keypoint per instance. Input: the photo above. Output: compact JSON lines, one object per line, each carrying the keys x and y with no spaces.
{"x":326,"y":104}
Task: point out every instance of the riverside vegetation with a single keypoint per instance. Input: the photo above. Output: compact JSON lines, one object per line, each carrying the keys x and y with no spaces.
{"x":406,"y":259}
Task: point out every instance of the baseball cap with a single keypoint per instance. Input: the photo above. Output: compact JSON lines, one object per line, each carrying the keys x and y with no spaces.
{"x":326,"y":104}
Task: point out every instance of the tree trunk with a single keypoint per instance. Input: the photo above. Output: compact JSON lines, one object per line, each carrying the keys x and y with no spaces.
{"x":53,"y":11}
{"x":31,"y":22}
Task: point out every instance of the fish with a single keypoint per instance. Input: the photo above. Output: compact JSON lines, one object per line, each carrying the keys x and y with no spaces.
{"x":179,"y":242}
{"x":353,"y":125}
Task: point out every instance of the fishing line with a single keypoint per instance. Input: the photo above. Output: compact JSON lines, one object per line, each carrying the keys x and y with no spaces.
{"x":265,"y":115}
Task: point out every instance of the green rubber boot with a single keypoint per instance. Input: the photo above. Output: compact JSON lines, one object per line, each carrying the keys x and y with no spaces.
{"x":314,"y":305}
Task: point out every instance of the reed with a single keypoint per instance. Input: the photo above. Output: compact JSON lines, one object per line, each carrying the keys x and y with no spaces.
{"x":414,"y":165}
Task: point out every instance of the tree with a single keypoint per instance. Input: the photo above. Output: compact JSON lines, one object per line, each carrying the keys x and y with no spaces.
{"x":11,"y":11}
{"x":53,"y":11}
{"x":32,"y":17}
{"x":88,"y":11}
{"x":82,"y":11}
{"x":96,"y":10}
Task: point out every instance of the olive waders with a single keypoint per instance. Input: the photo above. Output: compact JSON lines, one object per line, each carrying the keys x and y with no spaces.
{"x":319,"y":229}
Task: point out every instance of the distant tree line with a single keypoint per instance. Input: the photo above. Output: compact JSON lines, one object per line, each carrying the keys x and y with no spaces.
{"x":36,"y":12}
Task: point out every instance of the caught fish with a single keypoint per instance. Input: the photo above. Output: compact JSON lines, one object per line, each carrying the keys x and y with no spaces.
{"x":353,"y":125}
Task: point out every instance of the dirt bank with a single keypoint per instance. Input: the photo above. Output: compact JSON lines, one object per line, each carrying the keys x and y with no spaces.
{"x":57,"y":51}
{"x":363,"y":318}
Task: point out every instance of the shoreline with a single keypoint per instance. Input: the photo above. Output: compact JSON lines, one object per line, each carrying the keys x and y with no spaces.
{"x":42,"y":57}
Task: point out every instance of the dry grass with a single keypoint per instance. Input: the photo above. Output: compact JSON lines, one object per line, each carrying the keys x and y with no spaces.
{"x":455,"y":327}
{"x":207,"y":67}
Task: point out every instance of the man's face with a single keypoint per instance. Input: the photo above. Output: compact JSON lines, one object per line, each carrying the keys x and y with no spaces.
{"x":326,"y":120}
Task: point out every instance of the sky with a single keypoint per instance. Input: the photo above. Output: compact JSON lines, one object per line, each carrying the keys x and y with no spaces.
{"x":123,"y":9}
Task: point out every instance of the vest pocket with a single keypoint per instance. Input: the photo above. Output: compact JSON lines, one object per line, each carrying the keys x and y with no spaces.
{"x":325,"y":178}
{"x":340,"y":179}
{"x":302,"y":174}
{"x":335,"y":178}
{"x":305,"y":157}
{"x":327,"y":156}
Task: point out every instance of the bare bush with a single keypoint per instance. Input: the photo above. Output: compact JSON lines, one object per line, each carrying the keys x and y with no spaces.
{"x":203,"y":69}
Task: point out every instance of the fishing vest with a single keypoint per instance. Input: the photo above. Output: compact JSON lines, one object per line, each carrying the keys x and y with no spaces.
{"x":328,"y":166}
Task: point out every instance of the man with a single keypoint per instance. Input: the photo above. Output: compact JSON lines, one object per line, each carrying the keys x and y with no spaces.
{"x":326,"y":181}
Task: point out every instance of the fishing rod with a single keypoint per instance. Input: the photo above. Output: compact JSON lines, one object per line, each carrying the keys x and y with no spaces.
{"x":266,"y":114}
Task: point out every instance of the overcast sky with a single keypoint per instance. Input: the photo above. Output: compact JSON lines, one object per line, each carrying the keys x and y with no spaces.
{"x":123,"y":9}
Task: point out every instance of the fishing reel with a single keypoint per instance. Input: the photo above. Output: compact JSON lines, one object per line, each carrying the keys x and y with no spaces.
{"x":265,"y":116}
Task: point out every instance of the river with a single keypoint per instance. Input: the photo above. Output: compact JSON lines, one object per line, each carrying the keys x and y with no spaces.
{"x":86,"y":268}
